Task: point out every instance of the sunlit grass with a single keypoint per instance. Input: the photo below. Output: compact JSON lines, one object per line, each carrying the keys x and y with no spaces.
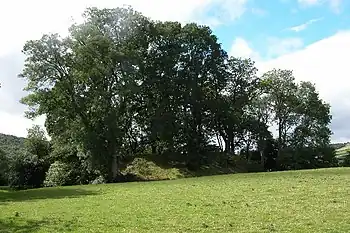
{"x":298,"y":201}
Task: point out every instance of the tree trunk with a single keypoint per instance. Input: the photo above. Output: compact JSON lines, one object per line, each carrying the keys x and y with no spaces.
{"x":114,"y":168}
{"x":261,"y":148}
{"x":233,"y":146}
{"x":262,"y":157}
{"x":227,"y":146}
{"x":154,"y":149}
{"x":280,"y":141}
{"x":219,"y":141}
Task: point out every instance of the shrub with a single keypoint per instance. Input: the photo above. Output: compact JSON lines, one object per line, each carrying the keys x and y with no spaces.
{"x":99,"y":180}
{"x":26,"y":171}
{"x":241,"y":164}
{"x":59,"y":174}
{"x":148,"y":170}
{"x":3,"y":168}
{"x":346,"y":160}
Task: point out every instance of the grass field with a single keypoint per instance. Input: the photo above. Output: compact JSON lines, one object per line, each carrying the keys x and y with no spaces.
{"x":298,"y":201}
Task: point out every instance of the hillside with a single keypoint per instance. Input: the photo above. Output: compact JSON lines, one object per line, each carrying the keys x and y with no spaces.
{"x":342,"y":152}
{"x":296,"y":201}
{"x":11,"y":144}
{"x":337,"y":146}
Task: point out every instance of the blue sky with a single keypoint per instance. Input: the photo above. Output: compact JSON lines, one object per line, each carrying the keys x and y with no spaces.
{"x":285,"y":19}
{"x":310,"y":37}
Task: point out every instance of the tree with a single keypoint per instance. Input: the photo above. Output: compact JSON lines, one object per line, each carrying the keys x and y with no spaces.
{"x":82,"y":83}
{"x":28,"y":168}
{"x":281,"y":96}
{"x":121,"y":85}
{"x":231,"y":102}
{"x":183,"y":73}
{"x":260,"y":111}
{"x":301,"y":117}
{"x":36,"y":142}
{"x":3,"y":168}
{"x":312,"y":128}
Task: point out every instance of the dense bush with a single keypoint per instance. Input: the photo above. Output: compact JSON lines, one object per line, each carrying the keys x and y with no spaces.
{"x":306,"y":158}
{"x":27,"y":171}
{"x":346,"y":160}
{"x":3,"y":168}
{"x":99,"y":180}
{"x":241,"y":164}
{"x":59,"y":174}
{"x":148,"y":170}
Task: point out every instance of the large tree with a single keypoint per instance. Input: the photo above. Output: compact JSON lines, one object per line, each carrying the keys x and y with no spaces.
{"x":82,"y":82}
{"x":301,"y":117}
{"x":183,"y":73}
{"x":281,"y":95}
{"x":232,"y":117}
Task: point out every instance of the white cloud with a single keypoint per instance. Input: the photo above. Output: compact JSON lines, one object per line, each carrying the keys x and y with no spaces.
{"x":241,"y":48}
{"x":309,"y":2}
{"x":303,"y":26}
{"x":333,"y":4}
{"x":21,"y":20}
{"x":278,"y":46}
{"x":16,"y":124}
{"x":275,"y":47}
{"x":259,"y":11}
{"x":324,"y":63}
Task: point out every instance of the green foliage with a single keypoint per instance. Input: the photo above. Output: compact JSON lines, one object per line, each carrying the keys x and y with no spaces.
{"x":148,"y":170}
{"x":99,"y":180}
{"x":120,"y":84}
{"x":36,"y":142}
{"x":59,"y":174}
{"x":11,"y":145}
{"x":306,"y":158}
{"x":241,"y":164}
{"x":27,"y":171}
{"x":310,"y":201}
{"x":81,"y":86}
{"x":346,"y":161}
{"x":3,"y":168}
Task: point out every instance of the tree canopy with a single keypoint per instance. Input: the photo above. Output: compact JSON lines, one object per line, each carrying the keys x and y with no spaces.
{"x":121,"y":85}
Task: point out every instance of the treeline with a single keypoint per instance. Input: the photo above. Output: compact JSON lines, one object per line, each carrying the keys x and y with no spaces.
{"x":121,"y":86}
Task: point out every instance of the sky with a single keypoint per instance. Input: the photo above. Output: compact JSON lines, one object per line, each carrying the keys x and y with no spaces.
{"x":310,"y":37}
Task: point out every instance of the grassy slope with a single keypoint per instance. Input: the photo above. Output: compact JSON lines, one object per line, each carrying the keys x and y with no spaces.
{"x":298,"y":201}
{"x":343,"y":149}
{"x":342,"y":152}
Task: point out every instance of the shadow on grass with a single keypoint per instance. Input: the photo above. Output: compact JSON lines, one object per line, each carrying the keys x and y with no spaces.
{"x":10,"y":225}
{"x":15,"y":224}
{"x":43,"y":193}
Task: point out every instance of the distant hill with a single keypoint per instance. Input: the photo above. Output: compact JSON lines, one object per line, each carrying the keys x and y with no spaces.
{"x":11,"y":144}
{"x":341,"y":150}
{"x":337,"y":146}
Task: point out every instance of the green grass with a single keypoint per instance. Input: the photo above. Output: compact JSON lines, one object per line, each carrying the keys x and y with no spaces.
{"x":298,"y":201}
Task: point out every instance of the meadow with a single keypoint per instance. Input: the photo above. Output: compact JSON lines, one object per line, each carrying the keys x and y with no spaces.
{"x":291,"y":201}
